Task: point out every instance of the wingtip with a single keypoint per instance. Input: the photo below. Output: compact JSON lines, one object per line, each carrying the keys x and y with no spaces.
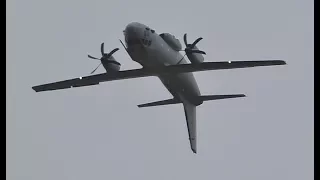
{"x":240,"y":95}
{"x":282,"y":62}
{"x":142,"y":105}
{"x":34,"y":88}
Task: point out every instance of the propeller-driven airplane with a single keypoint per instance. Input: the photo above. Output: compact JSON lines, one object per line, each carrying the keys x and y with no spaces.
{"x":159,"y":55}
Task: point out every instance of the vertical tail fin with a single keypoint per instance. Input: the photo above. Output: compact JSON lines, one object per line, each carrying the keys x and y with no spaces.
{"x":190,"y":113}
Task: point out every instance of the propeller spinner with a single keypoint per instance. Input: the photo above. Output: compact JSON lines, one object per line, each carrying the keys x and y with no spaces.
{"x":107,"y":60}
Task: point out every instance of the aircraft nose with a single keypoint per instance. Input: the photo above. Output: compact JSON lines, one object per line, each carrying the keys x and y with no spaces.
{"x":132,"y":32}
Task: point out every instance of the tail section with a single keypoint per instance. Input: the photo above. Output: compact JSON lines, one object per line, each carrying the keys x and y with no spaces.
{"x":190,"y":113}
{"x":203,"y":98}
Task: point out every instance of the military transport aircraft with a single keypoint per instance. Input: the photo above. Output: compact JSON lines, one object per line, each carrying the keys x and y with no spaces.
{"x":159,"y":55}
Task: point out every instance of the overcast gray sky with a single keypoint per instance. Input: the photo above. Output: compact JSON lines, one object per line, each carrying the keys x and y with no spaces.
{"x":99,"y":133}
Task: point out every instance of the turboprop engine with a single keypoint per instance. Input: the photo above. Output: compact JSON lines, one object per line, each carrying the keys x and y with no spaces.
{"x":192,"y":51}
{"x":107,"y":60}
{"x":173,"y":42}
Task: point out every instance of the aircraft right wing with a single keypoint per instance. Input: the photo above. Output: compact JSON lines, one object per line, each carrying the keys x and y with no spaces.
{"x":144,"y":72}
{"x":92,"y":80}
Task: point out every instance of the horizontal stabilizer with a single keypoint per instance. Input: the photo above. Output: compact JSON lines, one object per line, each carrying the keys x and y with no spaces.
{"x":159,"y":103}
{"x":217,"y":97}
{"x":203,"y":98}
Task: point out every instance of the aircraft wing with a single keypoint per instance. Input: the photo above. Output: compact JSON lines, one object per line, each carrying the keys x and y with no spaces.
{"x":92,"y":80}
{"x":205,"y":66}
{"x":144,"y":72}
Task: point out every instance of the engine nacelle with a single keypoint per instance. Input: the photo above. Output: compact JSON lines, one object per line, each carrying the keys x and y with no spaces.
{"x":173,"y":42}
{"x":195,"y":58}
{"x":111,"y":65}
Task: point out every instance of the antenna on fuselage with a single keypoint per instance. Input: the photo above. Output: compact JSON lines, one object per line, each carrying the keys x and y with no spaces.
{"x":125,"y":48}
{"x":123,"y":45}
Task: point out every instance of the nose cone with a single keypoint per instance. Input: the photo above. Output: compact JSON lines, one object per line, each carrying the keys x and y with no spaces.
{"x":133,"y":32}
{"x":130,"y":30}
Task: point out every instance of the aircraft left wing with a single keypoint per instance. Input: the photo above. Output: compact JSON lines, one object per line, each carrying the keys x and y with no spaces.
{"x":205,"y":66}
{"x":144,"y":72}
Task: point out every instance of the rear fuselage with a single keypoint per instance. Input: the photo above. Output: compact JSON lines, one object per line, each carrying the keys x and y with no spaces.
{"x":147,"y":48}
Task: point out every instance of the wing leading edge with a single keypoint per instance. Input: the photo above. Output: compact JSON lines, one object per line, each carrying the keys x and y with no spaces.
{"x":143,"y":72}
{"x":92,"y":80}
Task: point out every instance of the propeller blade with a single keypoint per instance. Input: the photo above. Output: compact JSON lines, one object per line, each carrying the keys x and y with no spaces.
{"x":102,"y":49}
{"x":92,"y":57}
{"x":95,"y":69}
{"x":197,"y":51}
{"x":195,"y":42}
{"x":185,"y":39}
{"x":113,"y":51}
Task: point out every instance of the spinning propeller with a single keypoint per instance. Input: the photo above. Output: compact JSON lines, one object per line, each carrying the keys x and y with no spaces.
{"x":105,"y":57}
{"x":191,"y":48}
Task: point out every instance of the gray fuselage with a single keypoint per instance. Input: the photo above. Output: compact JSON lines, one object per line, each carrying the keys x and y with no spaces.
{"x":147,"y":48}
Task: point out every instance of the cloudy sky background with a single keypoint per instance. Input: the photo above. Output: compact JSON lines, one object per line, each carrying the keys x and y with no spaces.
{"x":98,"y":132}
